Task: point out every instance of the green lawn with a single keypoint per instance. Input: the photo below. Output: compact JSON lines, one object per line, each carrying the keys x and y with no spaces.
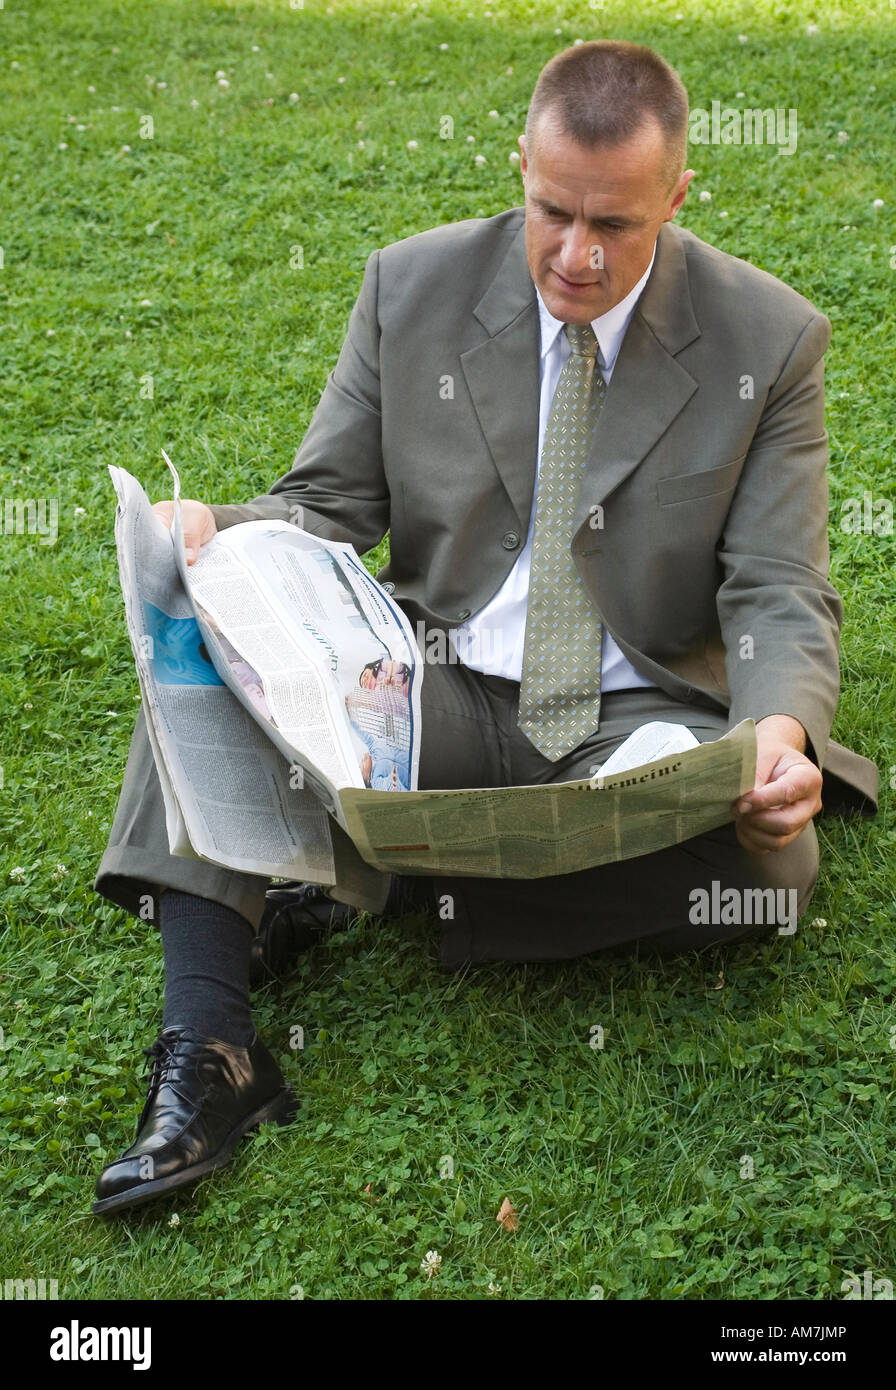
{"x":150,"y":300}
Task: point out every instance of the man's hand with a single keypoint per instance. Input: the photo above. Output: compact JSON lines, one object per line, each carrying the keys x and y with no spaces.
{"x":198,"y":522}
{"x":787,"y":793}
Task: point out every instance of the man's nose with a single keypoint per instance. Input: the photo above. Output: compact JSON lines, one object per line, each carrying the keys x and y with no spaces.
{"x":578,"y":248}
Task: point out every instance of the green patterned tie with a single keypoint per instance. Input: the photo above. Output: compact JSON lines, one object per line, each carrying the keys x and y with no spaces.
{"x":560,"y":683}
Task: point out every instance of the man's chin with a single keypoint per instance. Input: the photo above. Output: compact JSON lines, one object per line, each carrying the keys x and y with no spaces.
{"x":572,"y":307}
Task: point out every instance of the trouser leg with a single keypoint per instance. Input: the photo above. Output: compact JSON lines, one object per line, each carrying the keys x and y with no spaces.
{"x":136,"y":866}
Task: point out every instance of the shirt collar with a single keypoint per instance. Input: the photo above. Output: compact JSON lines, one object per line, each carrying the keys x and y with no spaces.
{"x":609,"y":328}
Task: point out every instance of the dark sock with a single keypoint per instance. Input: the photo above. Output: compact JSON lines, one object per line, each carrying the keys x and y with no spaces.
{"x":207,"y":950}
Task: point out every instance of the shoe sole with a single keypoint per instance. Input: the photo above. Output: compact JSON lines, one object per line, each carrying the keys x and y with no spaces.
{"x":281,"y":1110}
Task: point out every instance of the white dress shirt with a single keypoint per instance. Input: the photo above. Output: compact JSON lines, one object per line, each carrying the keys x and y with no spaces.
{"x":492,"y":640}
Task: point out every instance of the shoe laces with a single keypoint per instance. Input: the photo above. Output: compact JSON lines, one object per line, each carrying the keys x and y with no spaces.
{"x":162,"y":1061}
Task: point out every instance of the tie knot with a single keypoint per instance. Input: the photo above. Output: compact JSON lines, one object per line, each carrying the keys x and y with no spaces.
{"x":581,"y":339}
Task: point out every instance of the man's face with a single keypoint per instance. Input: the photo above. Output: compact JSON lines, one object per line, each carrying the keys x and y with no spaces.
{"x":593,"y":216}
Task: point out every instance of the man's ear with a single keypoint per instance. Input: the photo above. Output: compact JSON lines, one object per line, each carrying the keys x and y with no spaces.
{"x":524,"y":163}
{"x":679,"y":195}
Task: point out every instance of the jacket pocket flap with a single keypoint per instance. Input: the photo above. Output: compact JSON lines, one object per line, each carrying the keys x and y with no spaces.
{"x":685,"y":487}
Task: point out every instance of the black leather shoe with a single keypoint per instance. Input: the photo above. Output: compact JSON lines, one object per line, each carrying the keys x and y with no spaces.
{"x":296,"y":917}
{"x":203,"y":1096}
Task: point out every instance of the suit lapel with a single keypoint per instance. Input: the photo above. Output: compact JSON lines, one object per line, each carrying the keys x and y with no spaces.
{"x":504,"y":377}
{"x":648,"y":387}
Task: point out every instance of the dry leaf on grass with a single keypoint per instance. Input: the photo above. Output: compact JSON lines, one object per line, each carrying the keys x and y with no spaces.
{"x":507,"y":1216}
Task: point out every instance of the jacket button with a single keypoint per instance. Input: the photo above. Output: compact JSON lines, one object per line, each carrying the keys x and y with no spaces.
{"x":389,"y":586}
{"x":463,"y":614}
{"x":510,"y":540}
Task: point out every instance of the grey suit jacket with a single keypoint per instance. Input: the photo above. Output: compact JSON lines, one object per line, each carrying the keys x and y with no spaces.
{"x":701,"y":530}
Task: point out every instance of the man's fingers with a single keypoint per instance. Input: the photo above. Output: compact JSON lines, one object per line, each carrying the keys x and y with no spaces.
{"x":801,"y":782}
{"x":758,"y":842}
{"x":788,"y":820}
{"x":198,"y":523}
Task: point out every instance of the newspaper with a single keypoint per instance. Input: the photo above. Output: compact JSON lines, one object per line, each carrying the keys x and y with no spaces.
{"x":274,"y":671}
{"x":281,"y":686}
{"x":532,"y":832}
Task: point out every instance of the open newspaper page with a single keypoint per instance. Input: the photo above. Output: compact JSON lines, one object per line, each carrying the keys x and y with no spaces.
{"x":315,"y":649}
{"x":532,"y":832}
{"x":227,"y":790}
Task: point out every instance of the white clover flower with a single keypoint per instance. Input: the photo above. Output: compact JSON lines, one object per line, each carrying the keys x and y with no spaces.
{"x":51,"y":332}
{"x":818,"y":922}
{"x":493,"y":1287}
{"x":509,"y":72}
{"x":60,"y":1100}
{"x":194,"y":103}
{"x":514,"y":156}
{"x":145,"y":303}
{"x":740,"y":94}
{"x":17,"y":874}
{"x":340,"y":79}
{"x":60,"y":871}
{"x":705,"y":195}
{"x":443,"y":48}
{"x":480,"y":161}
{"x":62,"y":145}
{"x":431,"y":1263}
{"x":162,"y":84}
{"x":255,"y":48}
{"x":222,"y":82}
{"x":878,"y":203}
{"x":174,"y":1219}
{"x":391,"y":82}
{"x":16,"y":67}
{"x":222,"y":72}
{"x":723,"y":214}
{"x":125,"y":149}
{"x":842,"y":137}
{"x":80,"y":511}
{"x":471,"y":139}
{"x":812,"y":29}
{"x":293,"y":98}
{"x":80,"y":127}
{"x":412,"y":145}
{"x":361,"y":145}
{"x":92,"y":91}
{"x":493,"y":116}
{"x":743,"y":38}
{"x":73,"y":120}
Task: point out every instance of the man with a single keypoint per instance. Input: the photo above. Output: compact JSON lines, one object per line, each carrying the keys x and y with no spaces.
{"x":598,"y":446}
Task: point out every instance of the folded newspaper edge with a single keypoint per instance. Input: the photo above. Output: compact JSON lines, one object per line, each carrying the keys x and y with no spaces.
{"x":281,"y":687}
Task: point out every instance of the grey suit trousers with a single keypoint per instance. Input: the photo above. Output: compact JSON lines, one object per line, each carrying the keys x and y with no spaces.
{"x":471,"y":740}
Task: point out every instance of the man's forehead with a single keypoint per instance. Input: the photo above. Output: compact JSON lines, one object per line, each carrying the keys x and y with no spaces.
{"x":555,"y":158}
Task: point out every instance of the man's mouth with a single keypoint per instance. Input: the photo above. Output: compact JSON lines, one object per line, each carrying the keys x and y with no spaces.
{"x":574,"y":284}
